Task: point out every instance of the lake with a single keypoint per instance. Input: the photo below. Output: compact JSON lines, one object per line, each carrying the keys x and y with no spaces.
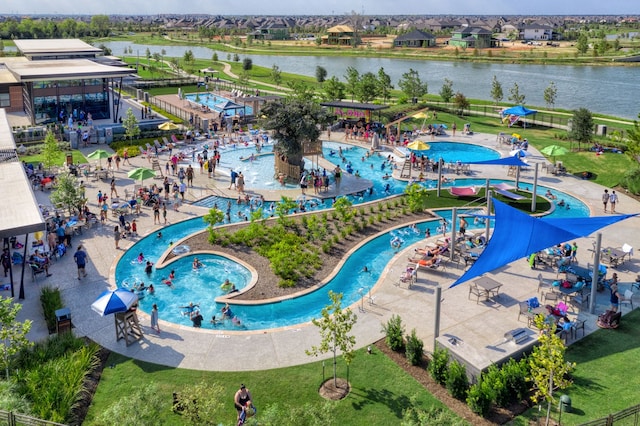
{"x":601,"y":89}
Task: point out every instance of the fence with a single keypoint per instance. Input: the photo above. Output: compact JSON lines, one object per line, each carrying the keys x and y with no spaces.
{"x":13,"y":419}
{"x":627,"y":417}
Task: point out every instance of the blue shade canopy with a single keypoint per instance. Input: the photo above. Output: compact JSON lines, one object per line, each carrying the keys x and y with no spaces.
{"x":517,"y":235}
{"x":518,"y":110}
{"x":507,"y":161}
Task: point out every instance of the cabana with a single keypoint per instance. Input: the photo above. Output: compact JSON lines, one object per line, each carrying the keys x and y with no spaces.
{"x":513,"y":114}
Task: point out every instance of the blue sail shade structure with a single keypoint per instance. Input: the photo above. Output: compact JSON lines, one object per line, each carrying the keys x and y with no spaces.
{"x":517,"y":235}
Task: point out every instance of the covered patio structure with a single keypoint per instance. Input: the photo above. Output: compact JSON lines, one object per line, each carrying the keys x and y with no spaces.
{"x":20,"y":211}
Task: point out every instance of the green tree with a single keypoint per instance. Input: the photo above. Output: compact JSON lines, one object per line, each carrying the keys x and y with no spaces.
{"x":294,"y":121}
{"x":188,"y":57}
{"x":51,"y":150}
{"x":550,"y":94}
{"x":148,"y":401}
{"x":549,"y":368}
{"x":582,"y":44}
{"x":321,"y":74}
{"x":276,"y":74}
{"x":633,"y":141}
{"x":417,"y":197}
{"x":446,"y":91}
{"x":515,"y":96}
{"x":247,"y":64}
{"x":461,"y":103}
{"x":367,"y":87}
{"x":148,"y":55}
{"x":100,"y":25}
{"x":496,"y":90}
{"x":581,"y":126}
{"x":67,"y":194}
{"x":202,"y":403}
{"x":214,"y":57}
{"x":333,"y":89}
{"x":335,"y":325}
{"x":384,"y":84}
{"x":130,"y":124}
{"x":411,"y":84}
{"x":13,"y":334}
{"x":353,"y":78}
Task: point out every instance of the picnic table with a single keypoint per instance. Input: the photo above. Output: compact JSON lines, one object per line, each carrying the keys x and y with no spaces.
{"x":613,"y":256}
{"x":488,"y":287}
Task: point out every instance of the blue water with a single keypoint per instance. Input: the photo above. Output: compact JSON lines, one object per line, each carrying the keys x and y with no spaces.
{"x":203,"y":287}
{"x":215,"y":102}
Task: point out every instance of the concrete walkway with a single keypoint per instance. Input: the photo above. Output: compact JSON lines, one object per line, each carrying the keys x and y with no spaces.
{"x":478,"y":325}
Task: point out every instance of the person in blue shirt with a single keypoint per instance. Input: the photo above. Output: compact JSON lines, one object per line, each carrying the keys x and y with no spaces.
{"x":80,"y":258}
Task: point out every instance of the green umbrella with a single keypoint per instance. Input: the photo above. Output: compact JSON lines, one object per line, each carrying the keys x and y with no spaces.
{"x":99,"y":154}
{"x":141,"y":173}
{"x":554,"y":150}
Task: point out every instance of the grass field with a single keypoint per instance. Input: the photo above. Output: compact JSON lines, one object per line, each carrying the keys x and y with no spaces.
{"x":380,"y":389}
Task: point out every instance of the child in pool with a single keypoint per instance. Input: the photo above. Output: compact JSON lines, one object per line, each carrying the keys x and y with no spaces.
{"x":140,"y":258}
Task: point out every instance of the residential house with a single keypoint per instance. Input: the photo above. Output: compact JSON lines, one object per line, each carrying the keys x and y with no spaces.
{"x":415,"y":38}
{"x":536,"y":32}
{"x":473,"y":37}
{"x":339,"y":35}
{"x":271,"y":31}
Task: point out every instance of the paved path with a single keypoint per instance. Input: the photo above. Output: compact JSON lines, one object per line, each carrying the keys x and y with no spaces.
{"x":479,"y":325}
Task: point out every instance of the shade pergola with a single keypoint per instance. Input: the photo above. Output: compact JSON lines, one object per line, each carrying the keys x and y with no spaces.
{"x":20,"y":212}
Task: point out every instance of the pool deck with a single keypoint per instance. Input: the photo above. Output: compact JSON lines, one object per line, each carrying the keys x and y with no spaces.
{"x":478,"y":328}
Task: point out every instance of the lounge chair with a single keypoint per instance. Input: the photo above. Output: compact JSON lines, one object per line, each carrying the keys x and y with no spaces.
{"x":459,"y":191}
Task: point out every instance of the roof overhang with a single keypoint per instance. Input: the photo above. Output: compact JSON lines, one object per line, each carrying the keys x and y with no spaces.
{"x":354,"y":105}
{"x":64,"y":69}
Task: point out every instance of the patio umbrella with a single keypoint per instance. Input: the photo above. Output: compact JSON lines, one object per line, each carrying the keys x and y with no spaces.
{"x":519,"y":153}
{"x":168,"y":125}
{"x":141,"y":173}
{"x":418,"y":146}
{"x":554,"y":150}
{"x":419,"y":115}
{"x":110,"y":302}
{"x":99,"y":154}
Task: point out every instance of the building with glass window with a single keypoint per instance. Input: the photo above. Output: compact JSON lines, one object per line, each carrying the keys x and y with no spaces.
{"x":58,"y":79}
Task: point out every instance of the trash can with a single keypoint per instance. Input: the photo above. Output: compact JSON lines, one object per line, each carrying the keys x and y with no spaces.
{"x":565,"y":404}
{"x":63,"y":320}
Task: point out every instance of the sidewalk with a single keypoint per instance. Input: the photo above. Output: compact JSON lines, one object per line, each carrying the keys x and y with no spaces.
{"x":478,"y":325}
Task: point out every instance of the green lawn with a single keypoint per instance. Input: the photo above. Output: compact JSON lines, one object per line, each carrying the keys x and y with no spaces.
{"x":380,"y":389}
{"x":604,"y":380}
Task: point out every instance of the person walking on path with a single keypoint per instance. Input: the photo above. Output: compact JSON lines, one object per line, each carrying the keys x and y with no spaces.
{"x":154,"y":319}
{"x":453,"y":128}
{"x":80,"y":258}
{"x":117,"y":236}
{"x":605,"y":199}
{"x":114,"y":190}
{"x":613,"y":200}
{"x":234,"y":176}
{"x":240,"y":183}
{"x":190,"y":175}
{"x":156,"y":213}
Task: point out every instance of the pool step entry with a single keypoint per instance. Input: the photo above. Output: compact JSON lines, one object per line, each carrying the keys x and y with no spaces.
{"x":209,"y":202}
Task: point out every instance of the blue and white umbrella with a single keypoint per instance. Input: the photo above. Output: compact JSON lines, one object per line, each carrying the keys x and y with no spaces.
{"x":519,"y":153}
{"x":110,"y":302}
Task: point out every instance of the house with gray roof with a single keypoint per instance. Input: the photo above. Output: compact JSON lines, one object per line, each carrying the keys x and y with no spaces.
{"x":415,"y":38}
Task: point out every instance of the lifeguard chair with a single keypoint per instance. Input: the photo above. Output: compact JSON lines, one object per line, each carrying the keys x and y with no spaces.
{"x":127,"y":327}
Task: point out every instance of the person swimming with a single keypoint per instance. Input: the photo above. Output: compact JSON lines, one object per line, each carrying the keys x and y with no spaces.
{"x":196,"y":264}
{"x":140,"y":258}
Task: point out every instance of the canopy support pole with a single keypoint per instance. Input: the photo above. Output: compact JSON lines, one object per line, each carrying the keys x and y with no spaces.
{"x":436,"y":315}
{"x":488,"y":221}
{"x":24,"y":266}
{"x":595,"y":274}
{"x":439,"y":184}
{"x":452,"y":244}
{"x":535,"y":189}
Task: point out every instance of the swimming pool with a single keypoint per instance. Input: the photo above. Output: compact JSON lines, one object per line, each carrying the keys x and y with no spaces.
{"x":216,"y":102}
{"x":374,"y":254}
{"x":452,"y":152}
